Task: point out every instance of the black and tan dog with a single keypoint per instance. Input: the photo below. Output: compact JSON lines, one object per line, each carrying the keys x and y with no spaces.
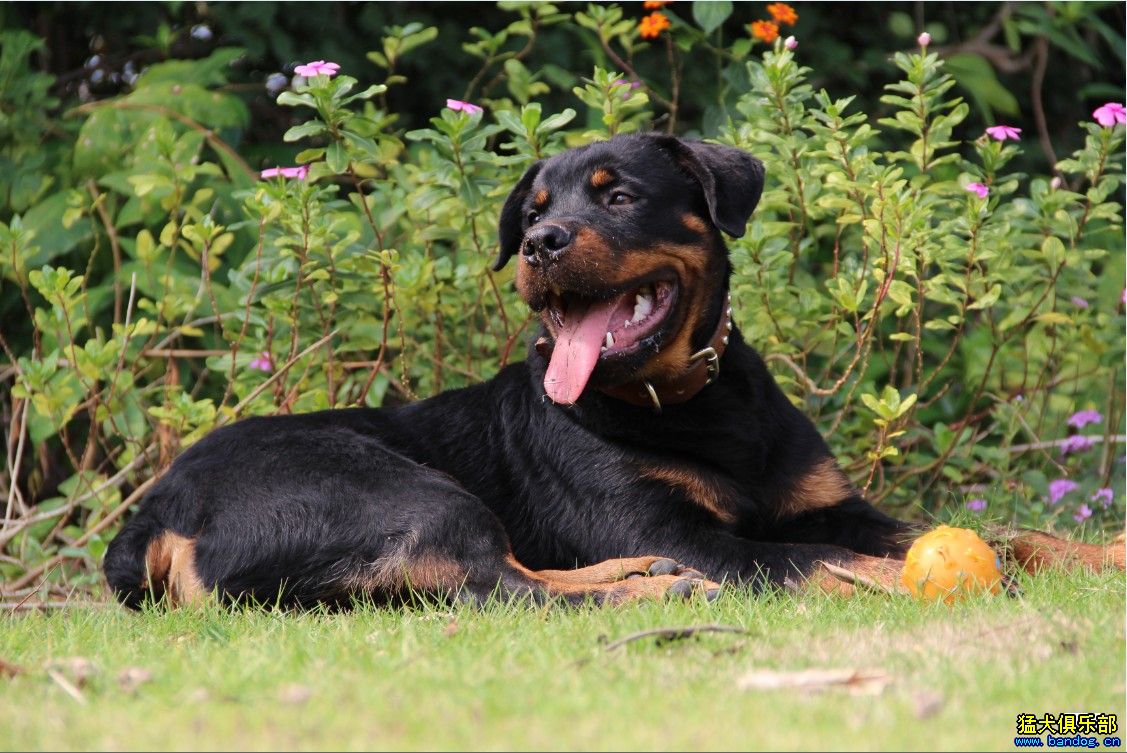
{"x":641,"y":433}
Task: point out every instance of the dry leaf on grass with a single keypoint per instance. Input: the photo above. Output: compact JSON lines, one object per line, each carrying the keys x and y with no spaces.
{"x":856,"y":681}
{"x":295,"y":694}
{"x":132,"y":678}
{"x":927,"y":704}
{"x":7,"y":669}
{"x":77,"y":669}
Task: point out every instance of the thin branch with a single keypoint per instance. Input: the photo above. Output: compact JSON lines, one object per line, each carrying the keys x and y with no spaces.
{"x":675,"y":634}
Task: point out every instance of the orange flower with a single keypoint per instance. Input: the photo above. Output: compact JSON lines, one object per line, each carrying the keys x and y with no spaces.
{"x":765,"y":30}
{"x":782,"y":13}
{"x":652,"y":25}
{"x":655,"y":4}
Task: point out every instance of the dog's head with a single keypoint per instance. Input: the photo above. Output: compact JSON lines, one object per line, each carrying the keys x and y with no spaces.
{"x":620,"y":253}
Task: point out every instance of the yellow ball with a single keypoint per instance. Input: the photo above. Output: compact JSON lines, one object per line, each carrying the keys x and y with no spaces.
{"x":950,"y":563}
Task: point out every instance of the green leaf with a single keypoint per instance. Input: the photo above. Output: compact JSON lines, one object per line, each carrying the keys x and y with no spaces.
{"x":989,"y":299}
{"x":312,"y":128}
{"x":336,"y":157}
{"x":709,"y":15}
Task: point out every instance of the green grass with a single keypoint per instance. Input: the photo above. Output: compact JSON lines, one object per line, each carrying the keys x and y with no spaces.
{"x":517,"y":677}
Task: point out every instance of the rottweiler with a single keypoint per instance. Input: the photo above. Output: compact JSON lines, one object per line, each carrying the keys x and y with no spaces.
{"x":642,"y":449}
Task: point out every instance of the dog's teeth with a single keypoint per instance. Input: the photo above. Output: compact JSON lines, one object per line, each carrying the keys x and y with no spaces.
{"x":610,"y":340}
{"x":643,"y":305}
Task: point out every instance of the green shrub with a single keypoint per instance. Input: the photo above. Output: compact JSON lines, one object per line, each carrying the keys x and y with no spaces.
{"x":158,"y":288}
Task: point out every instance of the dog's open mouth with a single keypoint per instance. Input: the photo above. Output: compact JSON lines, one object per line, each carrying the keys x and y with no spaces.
{"x":588,"y":329}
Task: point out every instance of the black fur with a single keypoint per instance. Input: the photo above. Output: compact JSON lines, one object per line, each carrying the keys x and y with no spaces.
{"x":292,"y":508}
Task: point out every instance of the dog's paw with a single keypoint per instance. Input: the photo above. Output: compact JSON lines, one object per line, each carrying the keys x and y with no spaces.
{"x":680,"y":586}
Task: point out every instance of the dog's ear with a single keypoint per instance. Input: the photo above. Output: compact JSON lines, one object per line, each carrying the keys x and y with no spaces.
{"x":509,"y":230}
{"x":732,"y":180}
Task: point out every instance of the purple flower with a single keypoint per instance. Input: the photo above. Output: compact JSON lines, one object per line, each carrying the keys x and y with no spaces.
{"x":262,"y":362}
{"x":1059,"y":488}
{"x":1079,"y":302}
{"x":467,"y":107}
{"x":317,"y":68}
{"x":1082,"y":418}
{"x":1083,"y":512}
{"x":632,"y":85}
{"x":1104,"y":496}
{"x":977,"y":505}
{"x":923,"y":40}
{"x":1075,"y":443}
{"x":1003,"y":132}
{"x":299,"y":172}
{"x":977,"y":188}
{"x":790,"y":43}
{"x":1109,"y":114}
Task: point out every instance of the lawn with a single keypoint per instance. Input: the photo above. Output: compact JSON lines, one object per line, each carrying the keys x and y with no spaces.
{"x":426,"y":677}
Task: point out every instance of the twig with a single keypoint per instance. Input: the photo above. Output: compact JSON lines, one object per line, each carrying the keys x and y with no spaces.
{"x":67,"y":687}
{"x":1113,"y":439}
{"x":14,"y":467}
{"x":102,"y":525}
{"x":675,"y":634}
{"x":1041,"y":48}
{"x":69,"y":604}
{"x":69,"y":507}
{"x":115,"y":244}
{"x":856,"y":578}
{"x":275,"y":376}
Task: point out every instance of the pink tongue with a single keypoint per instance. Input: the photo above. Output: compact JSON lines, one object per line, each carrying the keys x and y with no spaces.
{"x":583,"y":334}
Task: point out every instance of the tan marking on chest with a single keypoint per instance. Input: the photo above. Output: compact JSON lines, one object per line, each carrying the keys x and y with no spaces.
{"x":703,"y":491}
{"x":825,"y":485}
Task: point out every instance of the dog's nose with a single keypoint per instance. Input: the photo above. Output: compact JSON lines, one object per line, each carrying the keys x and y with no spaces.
{"x":546,"y":244}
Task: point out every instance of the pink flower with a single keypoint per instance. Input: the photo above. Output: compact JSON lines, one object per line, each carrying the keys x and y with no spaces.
{"x":1109,"y":114}
{"x":299,"y":172}
{"x":1055,"y":183}
{"x":1082,"y":418}
{"x":1075,"y":443}
{"x":790,"y":43}
{"x":923,"y":40}
{"x":317,"y":68}
{"x":1083,"y":512}
{"x":467,"y":107}
{"x":1003,"y":132}
{"x":1103,"y":496}
{"x":1079,"y":302}
{"x":977,"y":188}
{"x":623,"y":82}
{"x":262,"y":362}
{"x":978,"y":505}
{"x":1059,"y":488}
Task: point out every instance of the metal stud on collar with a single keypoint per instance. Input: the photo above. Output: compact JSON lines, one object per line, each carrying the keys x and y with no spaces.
{"x":712,"y":362}
{"x":653,"y":397}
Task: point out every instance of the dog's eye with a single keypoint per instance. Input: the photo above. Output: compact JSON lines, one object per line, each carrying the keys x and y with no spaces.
{"x":533,"y":217}
{"x":620,"y":198}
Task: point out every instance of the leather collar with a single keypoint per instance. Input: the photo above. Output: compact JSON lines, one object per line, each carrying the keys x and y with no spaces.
{"x":704,"y":371}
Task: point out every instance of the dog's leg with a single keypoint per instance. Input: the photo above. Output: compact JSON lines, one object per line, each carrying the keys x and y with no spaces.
{"x":614,"y":581}
{"x":1034,"y":551}
{"x":853,"y":524}
{"x":722,"y":556}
